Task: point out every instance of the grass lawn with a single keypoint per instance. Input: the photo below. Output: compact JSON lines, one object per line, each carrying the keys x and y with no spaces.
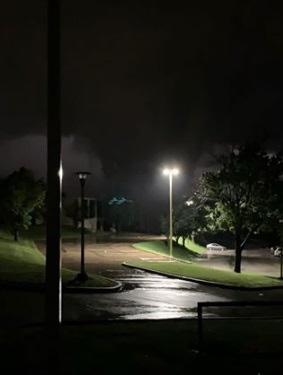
{"x":160,"y":247}
{"x":152,"y":347}
{"x":22,"y":262}
{"x":197,"y":271}
{"x":191,"y":245}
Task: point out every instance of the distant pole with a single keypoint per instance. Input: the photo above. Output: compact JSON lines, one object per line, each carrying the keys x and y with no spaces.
{"x":281,"y":264}
{"x":83,"y":273}
{"x":54,"y":170}
{"x":170,"y":172}
{"x":95,"y":214}
{"x":170,"y":217}
{"x":82,"y":276}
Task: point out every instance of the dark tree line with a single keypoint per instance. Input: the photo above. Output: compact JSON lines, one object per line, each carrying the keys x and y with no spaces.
{"x":21,"y":196}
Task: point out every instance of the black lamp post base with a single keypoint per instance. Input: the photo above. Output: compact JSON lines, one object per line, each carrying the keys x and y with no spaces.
{"x":82,"y":277}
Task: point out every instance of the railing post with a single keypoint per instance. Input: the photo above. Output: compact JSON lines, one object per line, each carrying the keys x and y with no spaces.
{"x":200,"y":328}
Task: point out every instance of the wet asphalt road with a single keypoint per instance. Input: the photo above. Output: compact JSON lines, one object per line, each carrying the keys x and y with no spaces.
{"x":144,"y":296}
{"x":150,"y":296}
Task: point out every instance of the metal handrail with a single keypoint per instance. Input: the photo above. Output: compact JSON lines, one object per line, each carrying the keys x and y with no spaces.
{"x":200,"y":306}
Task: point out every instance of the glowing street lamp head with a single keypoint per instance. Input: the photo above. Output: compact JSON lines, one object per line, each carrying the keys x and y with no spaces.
{"x":166,"y":171}
{"x":170,"y":171}
{"x":189,"y":202}
{"x":83,"y":175}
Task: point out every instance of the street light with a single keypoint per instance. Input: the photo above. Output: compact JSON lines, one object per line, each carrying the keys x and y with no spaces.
{"x":82,"y":276}
{"x":189,"y":202}
{"x":170,"y":172}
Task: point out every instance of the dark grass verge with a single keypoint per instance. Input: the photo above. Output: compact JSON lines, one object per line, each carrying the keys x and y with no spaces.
{"x":21,"y":263}
{"x":168,"y":347}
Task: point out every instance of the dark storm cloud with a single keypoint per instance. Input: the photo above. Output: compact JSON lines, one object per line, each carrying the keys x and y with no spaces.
{"x":31,"y":151}
{"x":143,"y":82}
{"x":23,"y":67}
{"x":162,"y":81}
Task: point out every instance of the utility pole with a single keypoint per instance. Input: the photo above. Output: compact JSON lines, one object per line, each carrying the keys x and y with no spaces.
{"x":54,"y":186}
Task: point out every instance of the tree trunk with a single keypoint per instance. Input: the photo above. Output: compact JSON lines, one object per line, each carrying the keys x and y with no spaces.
{"x":245,"y":240}
{"x":238,"y":252}
{"x":16,"y":233}
{"x":184,"y":241}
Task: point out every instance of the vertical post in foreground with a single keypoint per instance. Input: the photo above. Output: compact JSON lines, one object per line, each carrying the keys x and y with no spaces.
{"x":54,"y":171}
{"x":200,"y":328}
{"x":95,"y":214}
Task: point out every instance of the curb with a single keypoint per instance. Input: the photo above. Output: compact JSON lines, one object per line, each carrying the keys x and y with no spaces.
{"x":89,"y":289}
{"x":204,"y":282}
{"x":65,"y":289}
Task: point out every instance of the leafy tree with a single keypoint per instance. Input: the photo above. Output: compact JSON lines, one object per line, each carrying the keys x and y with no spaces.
{"x":186,"y":220}
{"x":21,"y":195}
{"x":245,"y":194}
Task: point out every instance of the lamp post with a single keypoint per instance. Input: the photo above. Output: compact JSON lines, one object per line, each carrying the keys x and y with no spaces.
{"x":170,"y":172}
{"x":82,"y":276}
{"x":95,"y":214}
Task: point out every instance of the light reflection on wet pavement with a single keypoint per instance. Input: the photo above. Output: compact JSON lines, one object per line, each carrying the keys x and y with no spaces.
{"x":146,"y":296}
{"x":150,"y":296}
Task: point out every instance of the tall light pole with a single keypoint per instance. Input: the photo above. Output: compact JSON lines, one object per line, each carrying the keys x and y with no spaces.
{"x":53,"y":311}
{"x":95,"y":214}
{"x":170,"y":172}
{"x":82,"y":276}
{"x":53,"y":292}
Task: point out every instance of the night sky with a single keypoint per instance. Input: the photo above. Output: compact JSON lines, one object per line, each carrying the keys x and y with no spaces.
{"x":144,"y":83}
